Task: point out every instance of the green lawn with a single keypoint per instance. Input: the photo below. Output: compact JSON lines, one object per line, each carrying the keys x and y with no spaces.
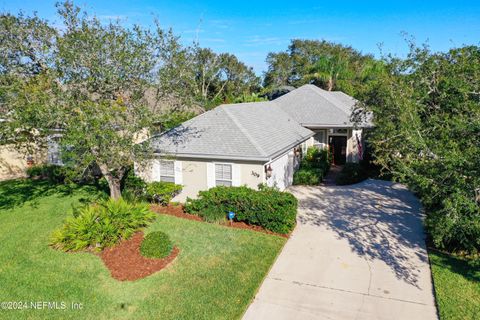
{"x":457,"y":287}
{"x":215,"y":275}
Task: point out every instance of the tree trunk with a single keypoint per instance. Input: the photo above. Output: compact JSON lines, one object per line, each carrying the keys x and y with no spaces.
{"x":330,"y":84}
{"x":114,"y":186}
{"x":113,"y":180}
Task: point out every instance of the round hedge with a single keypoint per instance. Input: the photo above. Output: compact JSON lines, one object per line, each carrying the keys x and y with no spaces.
{"x":156,"y":245}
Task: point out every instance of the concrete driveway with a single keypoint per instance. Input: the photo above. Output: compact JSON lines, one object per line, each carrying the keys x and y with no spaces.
{"x":358,"y":252}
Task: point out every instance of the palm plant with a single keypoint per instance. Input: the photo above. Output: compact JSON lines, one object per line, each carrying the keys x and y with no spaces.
{"x":328,"y":70}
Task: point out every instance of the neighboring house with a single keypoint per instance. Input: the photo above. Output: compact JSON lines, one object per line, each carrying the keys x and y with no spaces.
{"x":253,"y":143}
{"x":14,"y":161}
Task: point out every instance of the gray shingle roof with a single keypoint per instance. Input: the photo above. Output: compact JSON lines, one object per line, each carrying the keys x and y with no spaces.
{"x":250,"y":131}
{"x":310,"y":105}
{"x":257,"y":130}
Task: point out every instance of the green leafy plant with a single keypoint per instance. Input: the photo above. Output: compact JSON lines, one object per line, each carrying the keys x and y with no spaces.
{"x":162,"y":192}
{"x":101,"y":225}
{"x":307,"y":176}
{"x":318,"y":158}
{"x":156,"y":245}
{"x":313,"y":167}
{"x":426,"y":135}
{"x":50,"y":172}
{"x":351,"y":173}
{"x":133,"y":187}
{"x":269,"y":208}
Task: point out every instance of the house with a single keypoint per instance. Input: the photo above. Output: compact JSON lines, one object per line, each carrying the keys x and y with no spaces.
{"x":254,"y":143}
{"x":15,"y":160}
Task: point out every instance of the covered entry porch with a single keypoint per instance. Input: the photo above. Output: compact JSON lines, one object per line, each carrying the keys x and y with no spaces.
{"x":344,"y":143}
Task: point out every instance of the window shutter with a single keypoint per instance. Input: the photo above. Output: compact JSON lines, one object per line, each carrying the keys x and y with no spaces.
{"x":178,"y":172}
{"x":210,"y":175}
{"x":236,"y":175}
{"x":155,"y":170}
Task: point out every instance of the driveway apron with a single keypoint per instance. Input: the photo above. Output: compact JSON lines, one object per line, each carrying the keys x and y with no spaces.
{"x":358,"y":252}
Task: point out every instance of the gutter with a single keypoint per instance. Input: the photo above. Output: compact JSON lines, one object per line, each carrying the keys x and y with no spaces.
{"x":210,"y":156}
{"x":335,"y":126}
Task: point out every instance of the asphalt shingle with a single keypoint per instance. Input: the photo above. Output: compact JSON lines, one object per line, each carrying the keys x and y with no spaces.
{"x":257,"y":130}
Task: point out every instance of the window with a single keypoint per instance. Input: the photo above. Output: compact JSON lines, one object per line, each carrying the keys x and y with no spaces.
{"x":319,"y":139}
{"x":53,"y":152}
{"x":223,"y":174}
{"x":167,"y":170}
{"x":338,"y":131}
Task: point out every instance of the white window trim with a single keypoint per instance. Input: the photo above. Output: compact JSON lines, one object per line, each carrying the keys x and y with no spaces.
{"x":231,"y":172}
{"x":211,"y":175}
{"x":178,"y":172}
{"x":160,"y":170}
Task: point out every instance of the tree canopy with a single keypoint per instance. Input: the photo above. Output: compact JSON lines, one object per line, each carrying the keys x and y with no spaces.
{"x":427,"y":134}
{"x":328,"y":65}
{"x":103,"y":86}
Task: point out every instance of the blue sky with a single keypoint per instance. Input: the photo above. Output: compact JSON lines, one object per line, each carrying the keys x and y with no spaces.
{"x":251,"y":29}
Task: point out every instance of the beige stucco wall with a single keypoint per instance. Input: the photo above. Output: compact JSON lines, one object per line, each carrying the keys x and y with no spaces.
{"x":13,"y":163}
{"x":194,"y":179}
{"x":194,"y":175}
{"x":252,"y":174}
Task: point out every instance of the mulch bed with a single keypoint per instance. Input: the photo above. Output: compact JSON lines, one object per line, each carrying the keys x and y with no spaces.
{"x":178,"y":211}
{"x":126,"y":263}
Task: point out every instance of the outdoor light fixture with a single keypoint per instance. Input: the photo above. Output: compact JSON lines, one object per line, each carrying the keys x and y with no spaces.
{"x":477,"y":195}
{"x":268,"y":171}
{"x":297,"y":151}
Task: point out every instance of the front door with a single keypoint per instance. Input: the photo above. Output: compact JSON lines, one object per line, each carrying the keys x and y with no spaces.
{"x":338,"y":149}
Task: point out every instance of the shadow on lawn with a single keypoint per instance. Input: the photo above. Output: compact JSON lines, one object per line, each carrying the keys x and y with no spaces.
{"x":469,"y":269}
{"x":16,"y":192}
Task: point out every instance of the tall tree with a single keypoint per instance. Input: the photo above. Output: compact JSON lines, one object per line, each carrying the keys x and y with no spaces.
{"x":104,"y":85}
{"x":27,"y":85}
{"x":280,"y":70}
{"x":221,"y":77}
{"x":328,"y":71}
{"x":328,"y":65}
{"x":427,"y":134}
{"x":92,"y":90}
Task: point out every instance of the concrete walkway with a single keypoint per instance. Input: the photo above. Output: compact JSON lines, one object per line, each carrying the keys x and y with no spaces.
{"x":358,"y":252}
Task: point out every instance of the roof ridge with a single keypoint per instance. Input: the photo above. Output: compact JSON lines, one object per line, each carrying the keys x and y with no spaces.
{"x":244,"y":131}
{"x":320,"y":93}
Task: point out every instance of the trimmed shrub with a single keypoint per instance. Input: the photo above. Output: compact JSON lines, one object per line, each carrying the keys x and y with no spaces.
{"x":133,"y":187}
{"x":50,"y":172}
{"x":317,"y":158}
{"x":307,"y":176}
{"x":269,"y":208}
{"x":101,"y":225}
{"x":351,"y":173}
{"x":161,"y":192}
{"x":156,"y":245}
{"x":313,"y":167}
